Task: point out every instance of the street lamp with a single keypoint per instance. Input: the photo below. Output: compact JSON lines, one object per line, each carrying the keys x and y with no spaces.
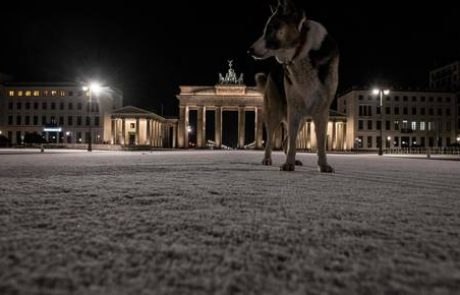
{"x":381,"y":93}
{"x":92,"y":88}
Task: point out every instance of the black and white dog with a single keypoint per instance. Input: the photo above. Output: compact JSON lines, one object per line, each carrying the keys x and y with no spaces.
{"x":304,"y":84}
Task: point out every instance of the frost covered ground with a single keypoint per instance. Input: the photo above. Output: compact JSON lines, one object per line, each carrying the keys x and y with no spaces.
{"x":219,"y":223}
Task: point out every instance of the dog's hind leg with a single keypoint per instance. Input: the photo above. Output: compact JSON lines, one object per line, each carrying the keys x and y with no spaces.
{"x":321,"y":121}
{"x":293,"y":128}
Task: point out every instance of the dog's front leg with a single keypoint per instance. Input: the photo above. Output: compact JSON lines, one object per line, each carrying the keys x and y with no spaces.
{"x":321,"y":130}
{"x":292,"y":130}
{"x":269,"y":144}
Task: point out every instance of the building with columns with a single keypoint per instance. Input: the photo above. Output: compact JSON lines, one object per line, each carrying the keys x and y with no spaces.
{"x":231,"y":94}
{"x":131,"y":126}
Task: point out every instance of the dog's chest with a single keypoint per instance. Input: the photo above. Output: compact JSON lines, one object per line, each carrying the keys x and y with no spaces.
{"x":301,"y":83}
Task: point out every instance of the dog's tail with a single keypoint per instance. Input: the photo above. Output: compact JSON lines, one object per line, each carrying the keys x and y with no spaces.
{"x":261,"y":82}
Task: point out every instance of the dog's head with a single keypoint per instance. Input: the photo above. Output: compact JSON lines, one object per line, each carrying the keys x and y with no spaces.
{"x":282,"y":31}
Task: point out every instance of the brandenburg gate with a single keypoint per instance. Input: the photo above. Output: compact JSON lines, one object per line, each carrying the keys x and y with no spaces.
{"x":231,"y":94}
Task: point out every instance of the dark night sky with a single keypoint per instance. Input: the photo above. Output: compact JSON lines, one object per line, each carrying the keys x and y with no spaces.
{"x":148,"y":51}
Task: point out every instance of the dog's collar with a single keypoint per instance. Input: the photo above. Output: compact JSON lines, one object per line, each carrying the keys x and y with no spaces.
{"x":298,"y":49}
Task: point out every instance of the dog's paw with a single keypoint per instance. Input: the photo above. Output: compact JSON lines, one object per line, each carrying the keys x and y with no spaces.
{"x":326,"y":169}
{"x":267,"y":162}
{"x":298,"y":163}
{"x":287,"y":167}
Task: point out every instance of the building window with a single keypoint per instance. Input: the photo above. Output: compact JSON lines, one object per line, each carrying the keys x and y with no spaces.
{"x":44,"y":105}
{"x":414,"y":98}
{"x":35,"y":120}
{"x":18,"y":120}
{"x":448,"y":99}
{"x":28,"y":93}
{"x":20,"y":93}
{"x":448,"y":112}
{"x":439,"y":99}
{"x":449,"y":126}
{"x":422,"y":126}
{"x":70,"y":93}
{"x":62,"y":93}
{"x":88,"y":121}
{"x":360,"y":125}
{"x":53,"y":105}
{"x":414,"y":126}
{"x":18,"y":106}
{"x":405,"y":111}
{"x":359,"y":142}
{"x":430,"y":112}
{"x":27,"y":120}
{"x":361,"y":97}
{"x":27,"y":105}
{"x":79,"y":137}
{"x":70,"y":106}
{"x":44,"y":120}
{"x":387,"y":125}
{"x":422,"y":99}
{"x":396,"y":110}
{"x":61,"y":106}
{"x":439,"y":112}
{"x":79,"y":106}
{"x":61,"y":121}
{"x":396,"y":98}
{"x":10,"y":120}
{"x":431,"y":99}
{"x":10,"y":105}
{"x":422,"y":111}
{"x":369,"y":125}
{"x":396,"y":142}
{"x":78,"y":121}
{"x":53,"y":93}
{"x":379,"y":125}
{"x":414,"y":111}
{"x":46,"y":93}
{"x":369,"y":141}
{"x":405,"y":98}
{"x":96,"y":121}
{"x":388,"y":110}
{"x":53,"y":120}
{"x":70,"y":120}
{"x":36,"y":93}
{"x":11,"y":93}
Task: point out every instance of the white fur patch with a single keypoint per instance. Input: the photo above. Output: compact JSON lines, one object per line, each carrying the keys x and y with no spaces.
{"x":316,"y":35}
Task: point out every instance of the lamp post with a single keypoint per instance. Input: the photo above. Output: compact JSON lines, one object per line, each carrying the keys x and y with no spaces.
{"x":381,"y":93}
{"x":93,"y":88}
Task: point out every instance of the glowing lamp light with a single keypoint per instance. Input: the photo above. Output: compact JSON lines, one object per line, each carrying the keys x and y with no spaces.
{"x":389,"y":138}
{"x":386,"y":92}
{"x":376,"y":91}
{"x":189,"y":129}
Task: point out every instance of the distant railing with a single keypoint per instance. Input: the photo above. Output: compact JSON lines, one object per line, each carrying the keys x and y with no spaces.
{"x":424,"y":150}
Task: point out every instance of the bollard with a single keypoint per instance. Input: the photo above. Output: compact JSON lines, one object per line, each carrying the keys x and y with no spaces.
{"x":428,"y":153}
{"x":42,"y":149}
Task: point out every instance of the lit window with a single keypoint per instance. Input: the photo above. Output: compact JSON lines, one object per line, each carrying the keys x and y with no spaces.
{"x":62,"y":93}
{"x":28,"y":93}
{"x":422,"y":126}
{"x":46,"y":93}
{"x":11,"y":93}
{"x":414,"y":125}
{"x":20,"y":93}
{"x":53,"y":93}
{"x":36,"y":93}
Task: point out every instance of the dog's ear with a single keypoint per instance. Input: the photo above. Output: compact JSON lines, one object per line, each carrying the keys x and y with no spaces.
{"x":303,"y":19}
{"x":289,"y":7}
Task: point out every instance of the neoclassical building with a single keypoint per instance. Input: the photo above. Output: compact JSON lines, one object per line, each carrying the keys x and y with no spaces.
{"x":231,"y":94}
{"x":132,"y":126}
